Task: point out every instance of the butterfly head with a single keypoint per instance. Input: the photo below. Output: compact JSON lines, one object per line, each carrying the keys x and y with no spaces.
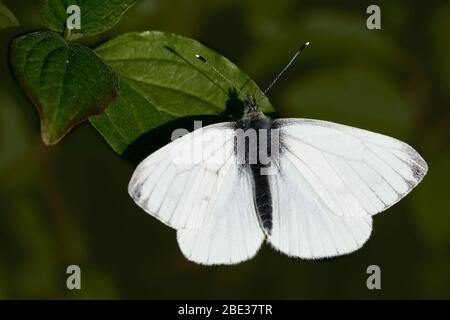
{"x":252,"y":109}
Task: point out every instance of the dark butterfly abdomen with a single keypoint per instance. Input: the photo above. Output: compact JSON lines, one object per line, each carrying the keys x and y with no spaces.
{"x":258,"y":166}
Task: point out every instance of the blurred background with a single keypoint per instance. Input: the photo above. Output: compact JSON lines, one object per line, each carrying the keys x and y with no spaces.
{"x":68,"y":204}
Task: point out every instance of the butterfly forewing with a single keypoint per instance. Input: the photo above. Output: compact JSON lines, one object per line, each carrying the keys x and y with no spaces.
{"x":178,"y":183}
{"x":354,"y":171}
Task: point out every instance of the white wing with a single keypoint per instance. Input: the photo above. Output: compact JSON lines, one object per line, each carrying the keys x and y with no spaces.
{"x":232,"y":233}
{"x":355,"y":172}
{"x":177,"y":183}
{"x":302,"y":223}
{"x":331,"y":179}
{"x":195,"y":185}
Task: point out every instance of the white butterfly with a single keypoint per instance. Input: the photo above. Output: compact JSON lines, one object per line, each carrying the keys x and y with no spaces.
{"x":329,"y":180}
{"x":313,"y":197}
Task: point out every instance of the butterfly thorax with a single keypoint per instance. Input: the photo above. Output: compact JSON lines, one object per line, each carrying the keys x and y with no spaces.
{"x":253,"y":127}
{"x":252,"y":110}
{"x":253,"y":117}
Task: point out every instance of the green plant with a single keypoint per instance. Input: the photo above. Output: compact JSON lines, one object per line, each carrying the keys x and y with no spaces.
{"x":127,"y":86}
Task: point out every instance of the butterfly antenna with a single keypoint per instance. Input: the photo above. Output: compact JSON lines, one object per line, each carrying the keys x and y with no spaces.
{"x":305,"y":45}
{"x":203,"y":59}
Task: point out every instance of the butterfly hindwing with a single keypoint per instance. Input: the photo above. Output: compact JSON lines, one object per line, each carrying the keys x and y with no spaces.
{"x":303,"y":225}
{"x":233,"y":233}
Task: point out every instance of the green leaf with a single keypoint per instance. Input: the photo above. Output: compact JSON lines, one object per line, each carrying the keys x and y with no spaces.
{"x":96,"y":16}
{"x":66,"y":82}
{"x":7,"y":18}
{"x":162,"y":80}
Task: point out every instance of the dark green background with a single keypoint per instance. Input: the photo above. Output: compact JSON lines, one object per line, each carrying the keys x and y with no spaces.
{"x":68,"y":204}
